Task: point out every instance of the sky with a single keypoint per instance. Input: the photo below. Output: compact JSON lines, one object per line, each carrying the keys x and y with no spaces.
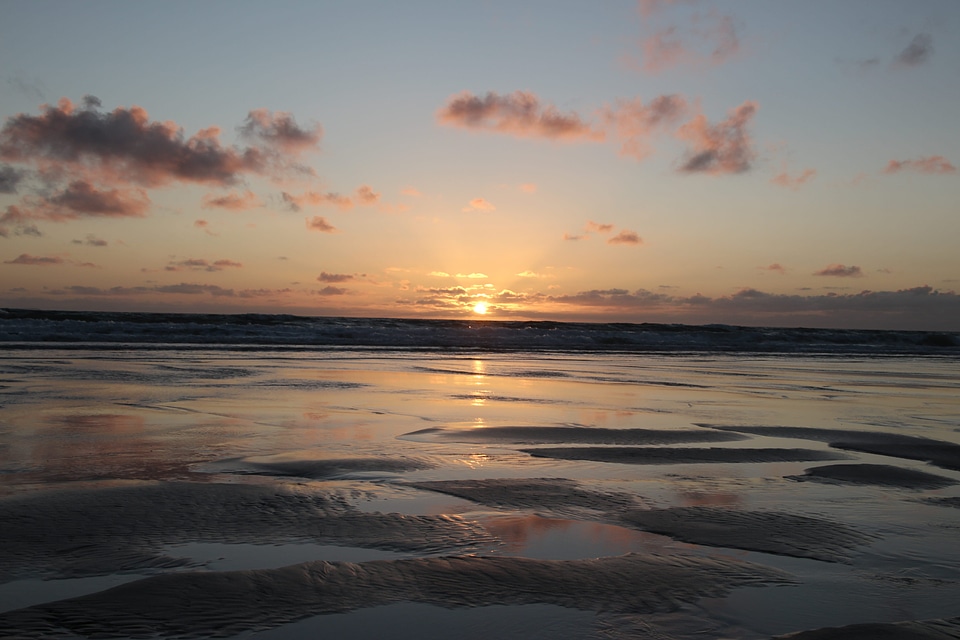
{"x":688,"y":161}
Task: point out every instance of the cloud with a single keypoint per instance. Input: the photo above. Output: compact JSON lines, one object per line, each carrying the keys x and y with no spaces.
{"x":722,"y":148}
{"x":125,"y":146}
{"x":319,"y":223}
{"x":775,"y":267}
{"x":472,"y":275}
{"x":794,"y":182}
{"x":840,"y":271}
{"x":279,"y":130}
{"x":21,"y":229}
{"x":194,"y":289}
{"x":635,"y":122}
{"x":626,"y":237}
{"x":410,"y":191}
{"x":518,"y":114}
{"x":314,"y":199}
{"x":716,"y":41}
{"x":81,"y":200}
{"x":334,"y":277}
{"x":574,"y":238}
{"x":232,"y":201}
{"x":917,"y":52}
{"x":530,"y":274}
{"x":332,"y":291}
{"x":205,"y":225}
{"x":36,"y":261}
{"x":930,"y":164}
{"x":439,"y":274}
{"x":528,"y":187}
{"x":199,"y":264}
{"x":366,"y":195}
{"x":92,"y":241}
{"x":10,"y":177}
{"x":479,"y":204}
{"x":599,"y":227}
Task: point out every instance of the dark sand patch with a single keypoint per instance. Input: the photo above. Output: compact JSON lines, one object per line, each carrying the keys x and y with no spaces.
{"x":201,"y":604}
{"x":682,"y":455}
{"x":570,"y":435}
{"x":945,"y":629}
{"x":100,"y":531}
{"x":874,"y":474}
{"x":774,"y":532}
{"x":936,"y":452}
{"x":315,"y":466}
{"x":554,"y":494}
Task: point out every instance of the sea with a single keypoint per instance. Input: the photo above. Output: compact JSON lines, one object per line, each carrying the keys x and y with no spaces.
{"x":276,"y":477}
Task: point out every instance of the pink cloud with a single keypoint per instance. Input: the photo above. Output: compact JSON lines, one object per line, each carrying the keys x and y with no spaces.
{"x":319,"y":223}
{"x":794,"y":182}
{"x":840,"y":271}
{"x":479,"y":204}
{"x":279,"y":130}
{"x":715,"y":35}
{"x":930,"y":164}
{"x":518,"y":114}
{"x":599,"y":227}
{"x":635,"y":122}
{"x":366,"y":195}
{"x":36,"y":261}
{"x":721,"y":148}
{"x":776,"y":267}
{"x":232,"y":201}
{"x":626,"y":237}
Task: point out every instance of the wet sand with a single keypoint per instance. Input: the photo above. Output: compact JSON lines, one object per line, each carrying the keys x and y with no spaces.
{"x":648,"y":494}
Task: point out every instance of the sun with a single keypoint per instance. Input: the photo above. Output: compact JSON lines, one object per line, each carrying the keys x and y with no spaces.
{"x":480,"y":307}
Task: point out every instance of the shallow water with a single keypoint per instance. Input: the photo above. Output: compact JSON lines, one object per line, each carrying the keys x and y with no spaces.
{"x":312,"y":451}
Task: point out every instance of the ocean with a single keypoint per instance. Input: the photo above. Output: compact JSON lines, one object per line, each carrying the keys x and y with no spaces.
{"x":279,"y":477}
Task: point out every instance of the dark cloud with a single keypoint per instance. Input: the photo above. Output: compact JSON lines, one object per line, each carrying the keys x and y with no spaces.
{"x":10,"y":177}
{"x":722,"y":148}
{"x":840,"y":271}
{"x":519,"y":114}
{"x":199,"y":264}
{"x":917,"y":52}
{"x":92,"y":241}
{"x":82,"y":199}
{"x":334,"y":277}
{"x":192,"y":289}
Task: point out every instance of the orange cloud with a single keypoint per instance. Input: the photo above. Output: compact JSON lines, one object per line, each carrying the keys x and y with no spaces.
{"x":930,"y":164}
{"x":518,"y":114}
{"x":479,"y":204}
{"x":319,"y":223}
{"x":721,"y":148}
{"x":232,"y":201}
{"x":626,"y":237}
{"x":793,"y":182}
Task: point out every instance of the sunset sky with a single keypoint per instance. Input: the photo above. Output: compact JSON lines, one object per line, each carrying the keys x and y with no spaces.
{"x":744,"y":162}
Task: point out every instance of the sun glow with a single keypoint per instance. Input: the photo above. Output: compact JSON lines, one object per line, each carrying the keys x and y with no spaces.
{"x":480,"y":307}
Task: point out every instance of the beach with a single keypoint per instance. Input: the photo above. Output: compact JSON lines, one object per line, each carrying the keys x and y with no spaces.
{"x":267,"y":493}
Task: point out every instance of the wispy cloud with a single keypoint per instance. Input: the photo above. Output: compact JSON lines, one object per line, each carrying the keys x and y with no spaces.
{"x":706,"y":40}
{"x":92,"y":241}
{"x":722,"y":148}
{"x":776,"y":267}
{"x":315,"y":199}
{"x":930,"y":164}
{"x":518,"y":114}
{"x":916,"y":53}
{"x":36,"y":261}
{"x":636,"y":123}
{"x":794,"y":182}
{"x":840,"y":271}
{"x":199,"y":264}
{"x":366,"y":195}
{"x":479,"y":204}
{"x":10,"y":178}
{"x":599,"y":227}
{"x":232,"y":201}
